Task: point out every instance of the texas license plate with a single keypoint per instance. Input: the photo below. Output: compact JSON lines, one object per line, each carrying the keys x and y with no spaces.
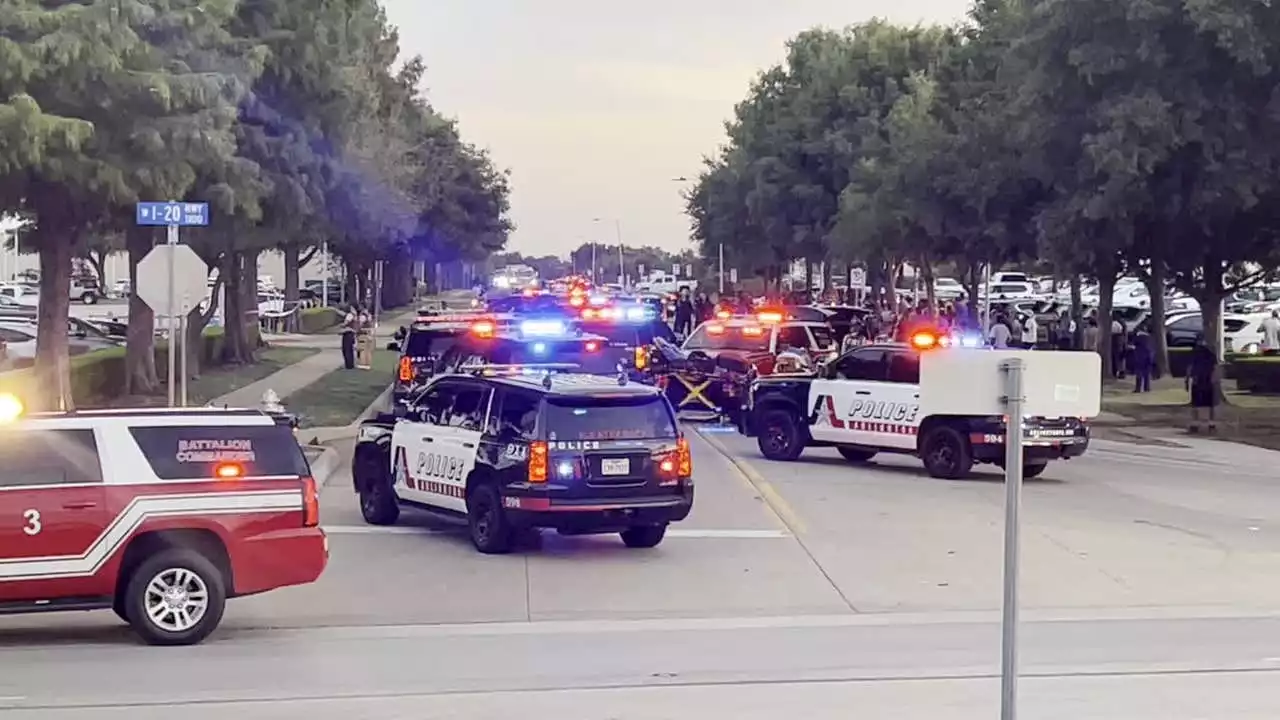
{"x":620,"y":466}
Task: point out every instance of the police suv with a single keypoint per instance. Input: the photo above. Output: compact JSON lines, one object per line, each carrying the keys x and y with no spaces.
{"x":511,"y":448}
{"x":867,"y":401}
{"x":426,"y":341}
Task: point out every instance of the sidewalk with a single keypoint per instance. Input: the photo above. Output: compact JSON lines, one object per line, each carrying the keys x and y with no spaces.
{"x":284,"y":382}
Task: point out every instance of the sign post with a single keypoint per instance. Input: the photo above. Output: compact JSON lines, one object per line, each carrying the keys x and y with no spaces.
{"x":1013,"y":402}
{"x":170,"y":272}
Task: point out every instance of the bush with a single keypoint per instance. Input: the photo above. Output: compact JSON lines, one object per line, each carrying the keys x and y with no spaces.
{"x":1180,"y":359}
{"x":318,"y":319}
{"x":99,"y":375}
{"x":1258,"y":374}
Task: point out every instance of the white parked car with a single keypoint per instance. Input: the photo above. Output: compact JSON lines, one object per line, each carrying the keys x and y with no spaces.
{"x":1009,"y":291}
{"x":21,"y":295}
{"x":945,"y":288}
{"x":19,"y":340}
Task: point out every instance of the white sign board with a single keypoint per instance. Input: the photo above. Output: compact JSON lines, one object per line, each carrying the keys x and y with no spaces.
{"x":190,"y":280}
{"x":857,"y":278}
{"x":970,"y":382}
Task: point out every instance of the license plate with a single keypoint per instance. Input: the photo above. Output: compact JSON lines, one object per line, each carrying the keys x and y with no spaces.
{"x":615,"y":466}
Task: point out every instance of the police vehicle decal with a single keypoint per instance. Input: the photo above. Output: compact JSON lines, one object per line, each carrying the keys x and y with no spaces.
{"x":516,"y":452}
{"x":874,"y":416}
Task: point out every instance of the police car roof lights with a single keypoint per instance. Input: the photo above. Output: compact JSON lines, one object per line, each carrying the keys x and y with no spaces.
{"x":924,"y":341}
{"x":543,"y":328}
{"x":524,"y":370}
{"x":771,"y":316}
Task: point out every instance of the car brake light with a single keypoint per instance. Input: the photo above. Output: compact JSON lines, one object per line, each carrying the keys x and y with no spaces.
{"x":715,"y":329}
{"x":484,"y":329}
{"x":537,"y":462}
{"x":592,"y":346}
{"x":752,"y":331}
{"x":642,"y":358}
{"x":577,"y":301}
{"x":227,"y":471}
{"x":406,"y":369}
{"x":684,"y":458}
{"x":923,"y":340}
{"x":310,"y":503}
{"x":723,"y":314}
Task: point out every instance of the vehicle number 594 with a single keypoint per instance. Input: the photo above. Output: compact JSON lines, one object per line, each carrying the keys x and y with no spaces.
{"x":33,"y":526}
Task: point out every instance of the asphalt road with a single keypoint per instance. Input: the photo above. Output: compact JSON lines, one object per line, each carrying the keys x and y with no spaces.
{"x":814,"y":589}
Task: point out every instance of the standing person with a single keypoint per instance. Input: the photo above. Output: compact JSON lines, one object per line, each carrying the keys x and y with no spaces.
{"x":1030,"y":331}
{"x":684,"y":314}
{"x":1119,"y":344}
{"x":350,"y":328}
{"x":1271,"y":334}
{"x":1201,"y":382}
{"x":1091,"y":334}
{"x":703,"y":310}
{"x":999,"y":334}
{"x":1143,"y":359}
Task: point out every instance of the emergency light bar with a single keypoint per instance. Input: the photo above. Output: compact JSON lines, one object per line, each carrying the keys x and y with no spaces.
{"x":527,"y":370}
{"x":543,"y":328}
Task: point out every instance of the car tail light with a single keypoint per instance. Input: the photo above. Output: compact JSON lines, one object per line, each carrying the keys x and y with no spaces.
{"x":684,"y":458}
{"x":406,"y":370}
{"x":537,"y":462}
{"x":484,"y":329}
{"x":310,"y":503}
{"x":592,"y":346}
{"x":642,"y":358}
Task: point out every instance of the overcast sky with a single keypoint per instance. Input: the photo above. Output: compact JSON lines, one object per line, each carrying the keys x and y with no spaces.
{"x":596,"y":106}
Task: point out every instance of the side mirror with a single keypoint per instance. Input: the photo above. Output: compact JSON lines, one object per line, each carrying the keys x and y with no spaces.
{"x":399,"y":335}
{"x":393,"y":345}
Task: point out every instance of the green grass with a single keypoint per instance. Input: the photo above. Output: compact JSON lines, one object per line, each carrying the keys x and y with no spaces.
{"x":1246,"y":417}
{"x":215,"y":382}
{"x":338,"y":398}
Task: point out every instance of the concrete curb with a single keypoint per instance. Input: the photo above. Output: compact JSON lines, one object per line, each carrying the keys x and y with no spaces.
{"x":781,"y":509}
{"x":324,"y":467}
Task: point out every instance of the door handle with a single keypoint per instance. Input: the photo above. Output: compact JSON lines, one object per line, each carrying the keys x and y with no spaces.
{"x":79,"y":505}
{"x":468,"y":445}
{"x":915,"y":397}
{"x":428,"y":439}
{"x":862,"y":392}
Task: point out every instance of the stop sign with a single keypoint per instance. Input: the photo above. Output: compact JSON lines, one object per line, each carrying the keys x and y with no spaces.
{"x":190,"y":278}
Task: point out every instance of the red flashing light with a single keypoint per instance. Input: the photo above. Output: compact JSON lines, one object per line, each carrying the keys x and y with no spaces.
{"x":924,"y":340}
{"x":577,"y":301}
{"x":538,"y":462}
{"x":753,"y":331}
{"x":715,"y":329}
{"x":770,"y":316}
{"x":592,"y":346}
{"x":642,"y":358}
{"x":228,"y":471}
{"x":406,"y":370}
{"x":484,"y":329}
{"x":723,"y":314}
{"x":684,"y":458}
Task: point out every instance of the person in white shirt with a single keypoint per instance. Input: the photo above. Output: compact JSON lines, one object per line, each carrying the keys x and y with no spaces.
{"x":999,"y":334}
{"x":1030,"y":331}
{"x":1271,"y":334}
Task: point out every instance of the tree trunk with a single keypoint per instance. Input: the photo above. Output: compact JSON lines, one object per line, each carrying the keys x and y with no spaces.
{"x":193,"y":344}
{"x":98,"y":261}
{"x":1077,"y":313}
{"x":292,"y":264}
{"x":1106,"y":288}
{"x":249,"y":284}
{"x":926,"y":275}
{"x":140,"y":376}
{"x":234,"y":343}
{"x":53,"y":365}
{"x":1159,"y":339}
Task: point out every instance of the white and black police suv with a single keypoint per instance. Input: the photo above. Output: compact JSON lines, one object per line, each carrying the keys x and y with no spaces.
{"x":516,"y":448}
{"x":867,"y":401}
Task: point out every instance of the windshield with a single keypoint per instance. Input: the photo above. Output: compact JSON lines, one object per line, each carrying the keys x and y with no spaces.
{"x":823,"y":337}
{"x":419,"y":343}
{"x":599,"y":418}
{"x":721,"y":337}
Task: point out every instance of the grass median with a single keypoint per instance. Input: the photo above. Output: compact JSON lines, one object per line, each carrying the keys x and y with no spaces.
{"x":215,"y":382}
{"x":340,"y":396}
{"x":1246,"y":417}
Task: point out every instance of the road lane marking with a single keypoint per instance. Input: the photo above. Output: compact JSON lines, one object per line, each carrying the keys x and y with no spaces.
{"x":772,"y":498}
{"x":681,"y":533}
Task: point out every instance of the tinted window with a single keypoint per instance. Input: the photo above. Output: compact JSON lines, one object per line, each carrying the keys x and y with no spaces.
{"x":1190,"y":322}
{"x":194,"y":452}
{"x":48,"y":457}
{"x":435,"y":403}
{"x":627,"y":418}
{"x":1232,"y":326}
{"x":862,"y":365}
{"x":14,"y":336}
{"x":904,"y":367}
{"x":793,"y":336}
{"x":725,"y":338}
{"x":418,"y":344}
{"x":515,"y":415}
{"x":467,"y":411}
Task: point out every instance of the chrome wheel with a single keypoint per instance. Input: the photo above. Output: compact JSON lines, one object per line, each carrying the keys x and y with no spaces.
{"x":176,"y":599}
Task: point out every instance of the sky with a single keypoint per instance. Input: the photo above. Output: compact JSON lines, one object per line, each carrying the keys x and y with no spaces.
{"x":597,"y":107}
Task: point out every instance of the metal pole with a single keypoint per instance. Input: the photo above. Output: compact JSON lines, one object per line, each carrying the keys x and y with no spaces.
{"x":172,"y":309}
{"x":593,"y":261}
{"x":1222,"y":333}
{"x":186,"y":309}
{"x":622,"y":267}
{"x":984,"y":294}
{"x":721,"y":271}
{"x":324,"y":273}
{"x":1012,"y":505}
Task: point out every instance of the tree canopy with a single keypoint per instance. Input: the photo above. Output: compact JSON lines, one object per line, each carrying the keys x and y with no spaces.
{"x":1097,"y":138}
{"x":297,"y":121}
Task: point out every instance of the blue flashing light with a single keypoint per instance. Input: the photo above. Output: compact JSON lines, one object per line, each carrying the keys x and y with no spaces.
{"x":565,"y":469}
{"x":970,"y":341}
{"x":542,"y":327}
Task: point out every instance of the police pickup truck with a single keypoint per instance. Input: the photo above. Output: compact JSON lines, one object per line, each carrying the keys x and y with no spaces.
{"x":867,"y":401}
{"x":517,"y":448}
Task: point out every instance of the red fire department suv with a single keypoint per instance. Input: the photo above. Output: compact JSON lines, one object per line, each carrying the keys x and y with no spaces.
{"x":160,"y":515}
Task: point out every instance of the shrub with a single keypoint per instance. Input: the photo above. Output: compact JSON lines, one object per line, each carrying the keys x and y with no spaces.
{"x":1258,"y":374}
{"x":318,"y":319}
{"x":1180,"y":360}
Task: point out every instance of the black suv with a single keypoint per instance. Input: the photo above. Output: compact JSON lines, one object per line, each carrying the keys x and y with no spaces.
{"x":517,"y":448}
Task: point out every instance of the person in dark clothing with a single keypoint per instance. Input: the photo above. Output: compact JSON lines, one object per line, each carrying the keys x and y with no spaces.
{"x":350,"y":328}
{"x":1143,"y":360}
{"x":703,"y":309}
{"x":1202,"y":375}
{"x":684,"y":314}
